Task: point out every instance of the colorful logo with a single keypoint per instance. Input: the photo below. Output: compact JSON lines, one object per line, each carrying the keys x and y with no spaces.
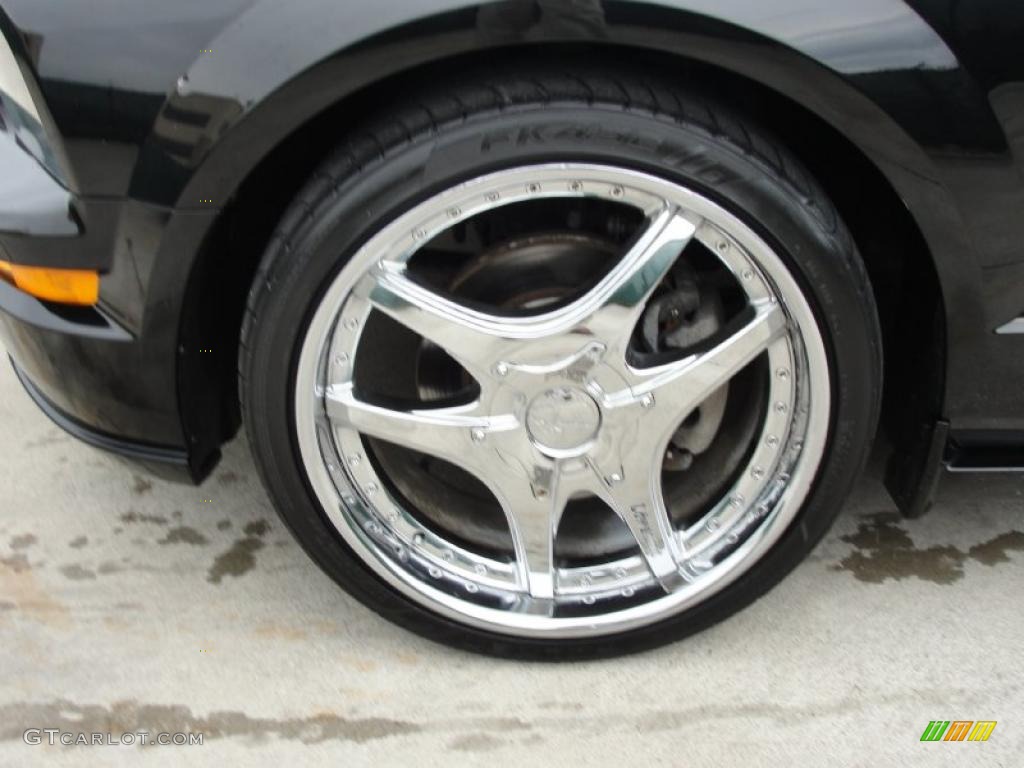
{"x":958,"y":730}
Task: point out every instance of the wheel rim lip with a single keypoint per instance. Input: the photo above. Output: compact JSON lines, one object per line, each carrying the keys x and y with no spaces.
{"x":339,"y":493}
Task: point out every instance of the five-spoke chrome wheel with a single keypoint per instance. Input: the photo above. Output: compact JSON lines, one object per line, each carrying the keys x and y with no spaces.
{"x":554,"y":402}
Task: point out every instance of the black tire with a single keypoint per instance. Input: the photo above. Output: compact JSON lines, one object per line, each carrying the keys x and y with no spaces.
{"x":489,"y":123}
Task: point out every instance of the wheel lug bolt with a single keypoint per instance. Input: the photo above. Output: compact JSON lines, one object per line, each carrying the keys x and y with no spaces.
{"x":478,"y":434}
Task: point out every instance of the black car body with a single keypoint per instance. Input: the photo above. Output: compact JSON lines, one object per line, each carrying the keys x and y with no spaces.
{"x":163,"y":124}
{"x":161,"y":141}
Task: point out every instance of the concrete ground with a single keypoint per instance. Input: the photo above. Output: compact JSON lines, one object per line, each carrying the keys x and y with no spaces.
{"x":129,"y":603}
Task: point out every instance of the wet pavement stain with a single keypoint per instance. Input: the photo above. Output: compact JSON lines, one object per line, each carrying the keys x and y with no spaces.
{"x":184,"y":535}
{"x":228,"y":478}
{"x":258,"y":528}
{"x":108,"y":567}
{"x":241,"y":557}
{"x":16,"y":563}
{"x":76,"y":572}
{"x":886,"y":551}
{"x":131,"y":516}
{"x":994,"y":551}
{"x":78,"y":542}
{"x":141,"y":485}
{"x":223,"y":525}
{"x":476,"y":742}
{"x":131,"y":716}
{"x":24,"y":541}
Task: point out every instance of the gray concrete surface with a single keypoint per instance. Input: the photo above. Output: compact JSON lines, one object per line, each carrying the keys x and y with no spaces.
{"x":129,"y":603}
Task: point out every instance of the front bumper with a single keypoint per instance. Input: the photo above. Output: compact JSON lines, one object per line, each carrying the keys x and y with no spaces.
{"x":169,"y":463}
{"x":80,"y":368}
{"x":107,"y":373}
{"x":118,"y":374}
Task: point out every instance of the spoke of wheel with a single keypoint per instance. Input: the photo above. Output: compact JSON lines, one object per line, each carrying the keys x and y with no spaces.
{"x":681,"y":386}
{"x":533,"y":506}
{"x":619,"y":299}
{"x":475,"y":339}
{"x":634,"y":493}
{"x":444,"y":432}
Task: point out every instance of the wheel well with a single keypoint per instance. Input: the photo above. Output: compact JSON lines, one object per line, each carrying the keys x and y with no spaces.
{"x":898,"y":261}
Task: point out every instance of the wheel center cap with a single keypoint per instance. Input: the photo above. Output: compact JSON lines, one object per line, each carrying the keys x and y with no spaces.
{"x":563,"y":421}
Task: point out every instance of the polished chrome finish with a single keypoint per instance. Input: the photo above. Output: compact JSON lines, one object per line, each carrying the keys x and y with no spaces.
{"x":1014,"y":326}
{"x":563,"y":421}
{"x":561,"y":412}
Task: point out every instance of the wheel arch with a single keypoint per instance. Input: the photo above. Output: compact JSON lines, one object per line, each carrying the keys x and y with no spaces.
{"x":876,"y":195}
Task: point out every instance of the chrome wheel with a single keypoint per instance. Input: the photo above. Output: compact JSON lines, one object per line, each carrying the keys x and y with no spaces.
{"x":565,"y":396}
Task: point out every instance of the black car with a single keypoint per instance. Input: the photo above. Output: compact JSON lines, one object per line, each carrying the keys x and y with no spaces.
{"x":556,"y":327}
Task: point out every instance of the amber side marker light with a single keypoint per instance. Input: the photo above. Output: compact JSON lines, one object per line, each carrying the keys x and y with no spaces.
{"x":65,"y":286}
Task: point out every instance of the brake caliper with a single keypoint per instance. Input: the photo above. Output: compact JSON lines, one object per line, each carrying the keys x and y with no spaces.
{"x":683,"y":318}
